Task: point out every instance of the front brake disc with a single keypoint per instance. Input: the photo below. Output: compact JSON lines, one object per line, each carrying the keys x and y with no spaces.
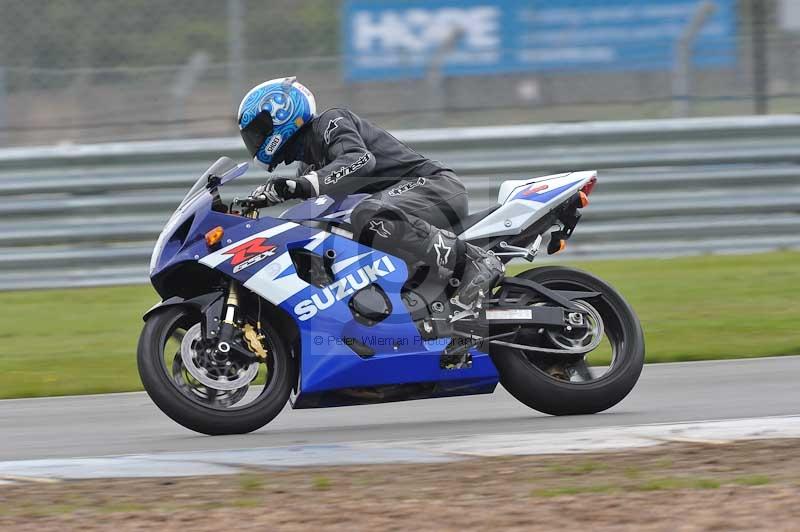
{"x":191,"y":356}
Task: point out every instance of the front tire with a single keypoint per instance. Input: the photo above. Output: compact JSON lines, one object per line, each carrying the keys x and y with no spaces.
{"x":529,"y":377}
{"x":209,"y":412}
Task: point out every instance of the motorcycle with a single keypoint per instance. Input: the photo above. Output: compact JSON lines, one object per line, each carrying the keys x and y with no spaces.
{"x":261,"y":310}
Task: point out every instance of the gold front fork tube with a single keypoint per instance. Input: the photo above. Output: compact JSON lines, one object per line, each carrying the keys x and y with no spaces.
{"x":232,"y":304}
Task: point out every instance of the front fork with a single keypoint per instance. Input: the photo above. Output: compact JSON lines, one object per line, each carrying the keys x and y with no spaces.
{"x":235,"y":332}
{"x":229,"y":327}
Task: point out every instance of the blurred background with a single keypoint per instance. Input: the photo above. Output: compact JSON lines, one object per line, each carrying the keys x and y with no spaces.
{"x":84,"y":71}
{"x":110,"y":110}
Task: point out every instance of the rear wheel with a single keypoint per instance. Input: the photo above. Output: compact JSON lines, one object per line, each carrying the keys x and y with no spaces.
{"x":564,"y":383}
{"x":204,"y":389}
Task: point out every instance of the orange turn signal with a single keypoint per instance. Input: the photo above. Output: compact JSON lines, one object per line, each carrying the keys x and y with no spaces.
{"x":214,"y":236}
{"x":562,"y":246}
{"x":584,"y":199}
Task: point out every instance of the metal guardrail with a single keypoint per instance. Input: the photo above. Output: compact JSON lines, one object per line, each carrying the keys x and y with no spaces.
{"x":88,"y":215}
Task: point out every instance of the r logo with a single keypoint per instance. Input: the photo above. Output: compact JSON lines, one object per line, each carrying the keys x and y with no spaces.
{"x":251,"y":248}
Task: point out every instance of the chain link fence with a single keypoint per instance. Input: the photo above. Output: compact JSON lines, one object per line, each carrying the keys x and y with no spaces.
{"x":77,"y":71}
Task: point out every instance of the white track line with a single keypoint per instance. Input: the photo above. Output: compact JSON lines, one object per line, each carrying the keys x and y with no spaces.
{"x":223,"y":462}
{"x":612,"y":438}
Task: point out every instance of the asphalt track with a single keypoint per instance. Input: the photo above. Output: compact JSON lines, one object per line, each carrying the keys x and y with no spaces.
{"x":127,"y":424}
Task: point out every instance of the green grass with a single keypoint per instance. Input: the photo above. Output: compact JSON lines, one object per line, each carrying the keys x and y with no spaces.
{"x":752,"y":480}
{"x":58,"y":342}
{"x":573,"y":490}
{"x":673,"y":483}
{"x":321,"y":483}
{"x":655,"y":484}
{"x":251,"y":482}
{"x":579,"y":468}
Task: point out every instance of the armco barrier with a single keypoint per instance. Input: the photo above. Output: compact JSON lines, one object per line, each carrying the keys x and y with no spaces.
{"x":88,"y":215}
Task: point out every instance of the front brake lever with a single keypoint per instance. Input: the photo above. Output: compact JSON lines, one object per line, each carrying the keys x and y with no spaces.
{"x":249,"y":202}
{"x":249,"y":206}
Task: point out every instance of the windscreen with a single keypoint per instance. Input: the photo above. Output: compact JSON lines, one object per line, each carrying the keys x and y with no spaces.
{"x":198,"y":199}
{"x":223,"y":166}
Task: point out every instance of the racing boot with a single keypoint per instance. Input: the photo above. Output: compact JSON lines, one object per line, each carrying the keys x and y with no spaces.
{"x":482,"y":271}
{"x":443,"y":250}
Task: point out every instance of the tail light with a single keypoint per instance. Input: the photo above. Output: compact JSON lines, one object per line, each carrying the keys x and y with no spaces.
{"x":589,"y":187}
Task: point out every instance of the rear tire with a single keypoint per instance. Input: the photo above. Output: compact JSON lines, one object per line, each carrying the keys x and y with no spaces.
{"x":192,"y":414}
{"x":537,"y":389}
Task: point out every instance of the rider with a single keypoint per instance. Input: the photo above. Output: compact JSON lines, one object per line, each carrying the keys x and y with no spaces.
{"x":415,"y":202}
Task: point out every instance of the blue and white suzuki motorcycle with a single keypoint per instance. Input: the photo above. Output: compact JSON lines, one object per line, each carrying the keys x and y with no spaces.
{"x":258,"y":311}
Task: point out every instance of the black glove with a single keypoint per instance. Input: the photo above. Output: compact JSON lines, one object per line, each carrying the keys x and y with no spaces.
{"x":279,"y":189}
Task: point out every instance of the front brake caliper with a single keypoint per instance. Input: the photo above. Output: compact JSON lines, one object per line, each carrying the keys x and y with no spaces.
{"x":254,"y":341}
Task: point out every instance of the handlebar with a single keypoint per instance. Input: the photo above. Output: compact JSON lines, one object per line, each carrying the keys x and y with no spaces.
{"x":244,"y":202}
{"x":250,"y":205}
{"x":254,"y":202}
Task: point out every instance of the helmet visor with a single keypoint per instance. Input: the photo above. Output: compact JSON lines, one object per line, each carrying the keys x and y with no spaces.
{"x":256,"y":133}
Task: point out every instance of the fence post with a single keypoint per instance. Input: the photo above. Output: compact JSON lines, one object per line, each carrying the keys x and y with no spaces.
{"x":3,"y":108}
{"x":435,"y":77}
{"x":182,"y":88}
{"x":760,"y":57}
{"x":235,"y":50}
{"x":682,"y":67}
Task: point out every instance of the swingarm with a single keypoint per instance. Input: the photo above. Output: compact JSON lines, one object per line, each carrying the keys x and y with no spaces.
{"x":519,"y":301}
{"x":523,"y":304}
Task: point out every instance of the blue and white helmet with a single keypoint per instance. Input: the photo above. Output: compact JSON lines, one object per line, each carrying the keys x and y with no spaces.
{"x":271,"y":113}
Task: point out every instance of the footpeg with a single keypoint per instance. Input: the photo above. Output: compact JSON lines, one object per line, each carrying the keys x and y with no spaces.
{"x":467,"y":311}
{"x":527,"y":253}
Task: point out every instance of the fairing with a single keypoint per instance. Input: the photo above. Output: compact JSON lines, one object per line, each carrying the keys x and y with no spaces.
{"x":328,"y":363}
{"x":523,"y":202}
{"x":256,"y":252}
{"x":324,"y":208}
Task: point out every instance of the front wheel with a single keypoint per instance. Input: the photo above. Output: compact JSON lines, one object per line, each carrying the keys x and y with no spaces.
{"x":563,"y":383}
{"x":203,"y":389}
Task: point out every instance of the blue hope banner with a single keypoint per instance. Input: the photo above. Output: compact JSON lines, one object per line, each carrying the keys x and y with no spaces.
{"x":400,"y":39}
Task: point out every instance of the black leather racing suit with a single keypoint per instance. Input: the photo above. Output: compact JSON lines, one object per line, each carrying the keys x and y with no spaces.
{"x":416,"y":203}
